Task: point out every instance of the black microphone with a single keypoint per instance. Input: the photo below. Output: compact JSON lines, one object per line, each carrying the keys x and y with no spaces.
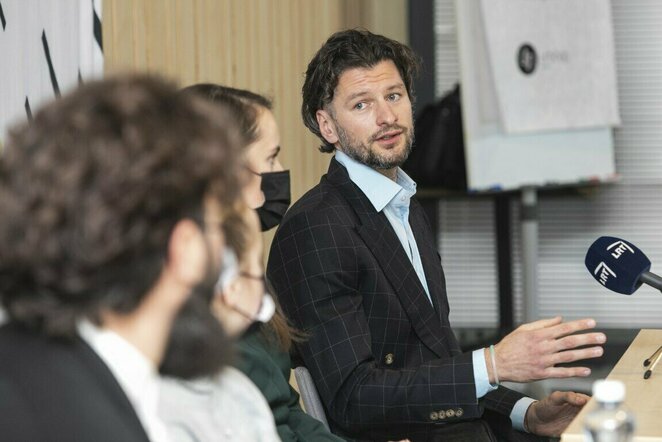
{"x":620,"y":266}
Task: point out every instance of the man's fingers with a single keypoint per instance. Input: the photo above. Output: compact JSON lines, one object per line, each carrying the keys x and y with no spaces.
{"x":534,"y":349}
{"x":579,"y":399}
{"x":569,"y":397}
{"x":570,"y":327}
{"x":566,"y":372}
{"x":579,"y":340}
{"x":542,"y":323}
{"x":565,"y":357}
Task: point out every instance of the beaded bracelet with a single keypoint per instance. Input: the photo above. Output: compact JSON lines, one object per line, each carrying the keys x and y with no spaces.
{"x":494,"y":369}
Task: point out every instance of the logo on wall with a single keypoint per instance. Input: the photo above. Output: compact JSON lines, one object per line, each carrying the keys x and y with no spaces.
{"x":527,"y":59}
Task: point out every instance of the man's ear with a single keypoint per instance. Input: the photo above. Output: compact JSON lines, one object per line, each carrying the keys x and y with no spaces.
{"x":187,"y":253}
{"x":327,"y":126}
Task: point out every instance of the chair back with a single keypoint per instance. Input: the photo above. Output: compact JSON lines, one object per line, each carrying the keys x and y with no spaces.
{"x":311,"y":399}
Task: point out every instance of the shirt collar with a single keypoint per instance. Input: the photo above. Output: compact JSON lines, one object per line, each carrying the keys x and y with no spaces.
{"x":135,"y":373}
{"x":379,"y":189}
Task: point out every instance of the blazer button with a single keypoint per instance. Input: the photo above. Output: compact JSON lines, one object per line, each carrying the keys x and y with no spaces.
{"x":459,"y":412}
{"x":450,"y":412}
{"x":442,"y":414}
{"x":389,"y":358}
{"x":434,"y":416}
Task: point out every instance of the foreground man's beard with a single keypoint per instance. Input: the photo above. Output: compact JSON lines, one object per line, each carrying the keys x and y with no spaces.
{"x":198,"y":346}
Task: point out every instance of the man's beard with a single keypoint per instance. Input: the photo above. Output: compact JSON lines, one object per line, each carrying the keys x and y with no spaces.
{"x":198,"y":346}
{"x":363,"y":153}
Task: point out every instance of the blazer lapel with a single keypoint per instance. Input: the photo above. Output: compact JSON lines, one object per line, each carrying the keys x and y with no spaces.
{"x":108,"y":383}
{"x":379,"y":236}
{"x":434,"y":274}
{"x":429,"y":258}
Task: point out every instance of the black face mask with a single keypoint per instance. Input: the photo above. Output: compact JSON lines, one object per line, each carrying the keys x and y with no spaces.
{"x":276,"y":189}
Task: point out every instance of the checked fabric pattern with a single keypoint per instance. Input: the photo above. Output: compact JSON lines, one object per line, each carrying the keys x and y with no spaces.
{"x":384,"y":360}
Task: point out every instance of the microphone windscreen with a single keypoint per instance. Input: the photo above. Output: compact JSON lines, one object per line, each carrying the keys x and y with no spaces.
{"x":617,"y":264}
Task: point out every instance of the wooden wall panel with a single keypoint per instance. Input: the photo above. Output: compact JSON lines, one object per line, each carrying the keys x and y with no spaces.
{"x":262,"y":45}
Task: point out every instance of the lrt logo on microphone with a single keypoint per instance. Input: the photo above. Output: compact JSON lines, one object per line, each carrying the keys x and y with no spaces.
{"x":620,"y":248}
{"x":605,"y":271}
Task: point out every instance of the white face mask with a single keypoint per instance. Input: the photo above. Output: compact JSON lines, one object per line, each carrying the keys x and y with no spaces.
{"x":229,"y":273}
{"x":229,"y":270}
{"x":267,"y":309}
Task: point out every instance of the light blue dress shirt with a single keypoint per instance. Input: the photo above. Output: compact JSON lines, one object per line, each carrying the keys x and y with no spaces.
{"x":393,"y":197}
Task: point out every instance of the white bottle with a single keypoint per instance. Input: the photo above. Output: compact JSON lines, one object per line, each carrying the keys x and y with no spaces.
{"x":609,"y":421}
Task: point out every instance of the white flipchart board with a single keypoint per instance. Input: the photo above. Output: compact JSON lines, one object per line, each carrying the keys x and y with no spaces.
{"x":539,"y":92}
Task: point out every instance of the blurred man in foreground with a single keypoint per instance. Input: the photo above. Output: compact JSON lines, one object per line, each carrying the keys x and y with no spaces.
{"x":112,"y":202}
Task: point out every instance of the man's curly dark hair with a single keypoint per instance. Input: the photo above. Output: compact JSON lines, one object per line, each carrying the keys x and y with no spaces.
{"x":91,"y":190}
{"x":353,"y":48}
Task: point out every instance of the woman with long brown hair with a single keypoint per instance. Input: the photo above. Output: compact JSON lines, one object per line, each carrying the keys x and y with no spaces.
{"x":264,"y":349}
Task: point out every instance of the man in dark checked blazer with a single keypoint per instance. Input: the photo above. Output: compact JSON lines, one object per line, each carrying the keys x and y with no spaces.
{"x":354,"y":265}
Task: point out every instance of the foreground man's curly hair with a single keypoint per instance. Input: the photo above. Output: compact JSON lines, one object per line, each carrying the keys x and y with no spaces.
{"x":91,"y":189}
